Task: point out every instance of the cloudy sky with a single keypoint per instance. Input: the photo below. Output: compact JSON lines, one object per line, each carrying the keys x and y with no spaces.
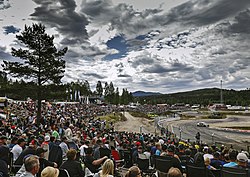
{"x":152,"y":45}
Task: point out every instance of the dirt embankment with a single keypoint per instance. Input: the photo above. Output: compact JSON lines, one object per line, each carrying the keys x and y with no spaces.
{"x":135,"y":124}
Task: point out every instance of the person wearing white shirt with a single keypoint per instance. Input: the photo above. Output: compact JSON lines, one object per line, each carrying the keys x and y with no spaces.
{"x":64,"y":147}
{"x":18,"y":148}
{"x":85,"y":145}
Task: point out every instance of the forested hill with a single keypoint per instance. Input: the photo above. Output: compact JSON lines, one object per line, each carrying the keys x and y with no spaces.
{"x":201,"y":96}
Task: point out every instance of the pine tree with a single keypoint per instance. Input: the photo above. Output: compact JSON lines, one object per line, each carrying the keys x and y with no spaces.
{"x":41,"y":60}
{"x":99,"y":88}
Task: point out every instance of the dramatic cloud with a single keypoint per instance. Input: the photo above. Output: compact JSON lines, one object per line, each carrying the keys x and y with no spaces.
{"x":4,"y":4}
{"x":193,"y":45}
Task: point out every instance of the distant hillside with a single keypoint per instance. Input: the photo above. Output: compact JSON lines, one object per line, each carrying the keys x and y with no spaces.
{"x":201,"y":96}
{"x":142,"y":93}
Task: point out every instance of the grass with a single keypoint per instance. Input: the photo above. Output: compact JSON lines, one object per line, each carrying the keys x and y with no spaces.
{"x":139,"y":114}
{"x":113,"y":117}
{"x":239,"y":128}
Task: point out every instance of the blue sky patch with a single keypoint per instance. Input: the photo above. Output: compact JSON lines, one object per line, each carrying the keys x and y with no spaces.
{"x":10,"y":29}
{"x":118,"y":43}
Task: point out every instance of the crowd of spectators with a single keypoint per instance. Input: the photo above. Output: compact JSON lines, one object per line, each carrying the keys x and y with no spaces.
{"x":71,"y":135}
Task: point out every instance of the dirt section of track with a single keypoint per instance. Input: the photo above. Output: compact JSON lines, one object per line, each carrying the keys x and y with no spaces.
{"x":133,"y":124}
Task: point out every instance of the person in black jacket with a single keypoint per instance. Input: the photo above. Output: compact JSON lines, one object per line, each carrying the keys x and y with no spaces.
{"x":73,"y":167}
{"x":43,"y":162}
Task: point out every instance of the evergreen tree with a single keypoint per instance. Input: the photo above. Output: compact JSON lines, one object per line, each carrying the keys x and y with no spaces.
{"x":41,"y":60}
{"x":99,"y":88}
{"x":106,"y":90}
{"x":116,"y":97}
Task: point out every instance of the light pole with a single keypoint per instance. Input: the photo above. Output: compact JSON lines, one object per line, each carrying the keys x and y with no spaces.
{"x":180,"y":132}
{"x":212,"y":138}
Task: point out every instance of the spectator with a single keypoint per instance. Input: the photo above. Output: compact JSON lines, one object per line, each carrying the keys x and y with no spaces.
{"x":40,"y":152}
{"x":64,"y":147}
{"x":158,"y":148}
{"x":207,"y":162}
{"x":242,"y":160}
{"x":72,"y":166}
{"x":18,"y":148}
{"x":107,"y":169}
{"x":93,"y":164}
{"x":31,"y":164}
{"x":3,"y":165}
{"x":50,"y":172}
{"x":207,"y":153}
{"x":174,"y":172}
{"x":216,"y":162}
{"x":232,"y":159}
{"x":133,"y":171}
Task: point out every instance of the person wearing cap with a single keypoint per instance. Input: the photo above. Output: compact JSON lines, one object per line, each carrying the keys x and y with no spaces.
{"x":45,"y":145}
{"x":18,"y":148}
{"x":40,"y":152}
{"x":242,"y":160}
{"x":170,"y":155}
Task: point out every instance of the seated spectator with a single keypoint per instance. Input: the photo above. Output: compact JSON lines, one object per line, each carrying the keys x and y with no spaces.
{"x":18,"y":148}
{"x":40,"y":152}
{"x":31,"y":149}
{"x":216,"y":162}
{"x":54,"y":172}
{"x":232,"y":159}
{"x":207,"y":164}
{"x":174,"y":172}
{"x":72,"y":166}
{"x":93,"y":164}
{"x":107,"y":169}
{"x":158,"y":148}
{"x":133,"y":171}
{"x":31,"y":165}
{"x":242,"y":160}
{"x":3,"y":165}
{"x":50,"y":172}
{"x":64,"y":146}
{"x":207,"y":153}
